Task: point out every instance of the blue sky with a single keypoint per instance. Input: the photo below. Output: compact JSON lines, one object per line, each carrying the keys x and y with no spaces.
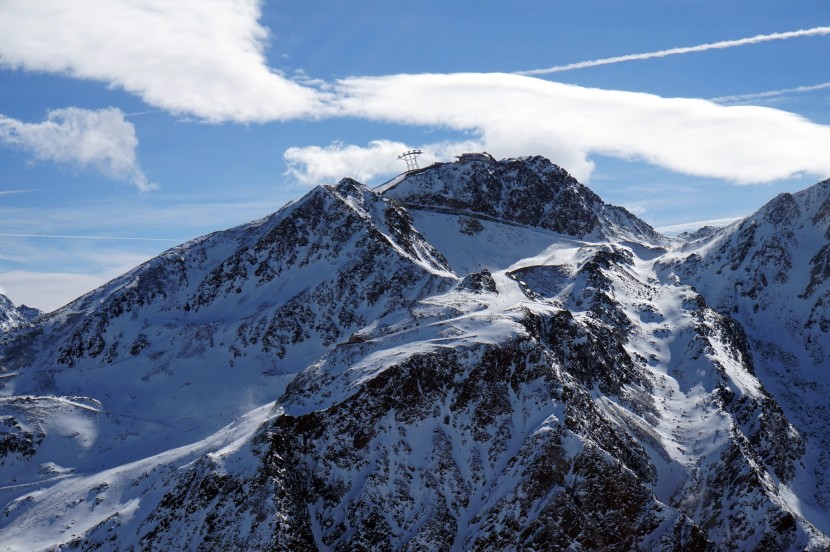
{"x":129,"y":127}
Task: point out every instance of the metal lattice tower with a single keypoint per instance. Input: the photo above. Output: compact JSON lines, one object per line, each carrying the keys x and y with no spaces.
{"x":411,"y":159}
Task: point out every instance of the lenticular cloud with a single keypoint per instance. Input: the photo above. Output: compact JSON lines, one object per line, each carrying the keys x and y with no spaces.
{"x":514,"y":115}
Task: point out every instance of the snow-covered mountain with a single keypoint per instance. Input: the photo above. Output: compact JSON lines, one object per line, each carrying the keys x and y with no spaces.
{"x":771,"y":272}
{"x":473,"y":356}
{"x":13,"y":317}
{"x":189,"y":341}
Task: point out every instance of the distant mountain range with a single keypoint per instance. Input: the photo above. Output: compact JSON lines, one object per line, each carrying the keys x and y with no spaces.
{"x":480,"y":355}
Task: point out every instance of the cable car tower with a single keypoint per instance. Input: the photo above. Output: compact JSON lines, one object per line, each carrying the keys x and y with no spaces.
{"x":411,"y":159}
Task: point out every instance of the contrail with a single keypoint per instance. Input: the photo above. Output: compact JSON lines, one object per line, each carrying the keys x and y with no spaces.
{"x":770,"y":93}
{"x":817,"y":31}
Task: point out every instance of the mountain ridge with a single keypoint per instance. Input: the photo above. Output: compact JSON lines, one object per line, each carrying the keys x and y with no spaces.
{"x":402,"y":369}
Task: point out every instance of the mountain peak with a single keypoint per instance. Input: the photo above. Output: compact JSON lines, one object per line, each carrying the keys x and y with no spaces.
{"x":13,"y":317}
{"x":524,"y":191}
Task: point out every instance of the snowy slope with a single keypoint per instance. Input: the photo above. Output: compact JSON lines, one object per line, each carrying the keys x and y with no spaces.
{"x":184,"y":344}
{"x":487,"y":357}
{"x":771,"y":271}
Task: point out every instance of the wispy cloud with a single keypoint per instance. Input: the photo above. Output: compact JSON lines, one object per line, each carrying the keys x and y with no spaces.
{"x":770,"y":93}
{"x":73,"y":237}
{"x":30,"y":276}
{"x":179,"y":215}
{"x":49,"y":291}
{"x":97,"y":251}
{"x":757,"y":39}
{"x":695,"y":225}
{"x":188,"y":56}
{"x":101,"y":139}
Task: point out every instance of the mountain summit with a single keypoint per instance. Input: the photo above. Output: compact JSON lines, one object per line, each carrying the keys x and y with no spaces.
{"x":478,"y":355}
{"x":531,"y":192}
{"x":13,"y":317}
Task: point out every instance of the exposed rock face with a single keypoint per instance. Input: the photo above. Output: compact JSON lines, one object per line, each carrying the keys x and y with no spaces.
{"x":529,"y":191}
{"x":479,"y":282}
{"x":472,"y":375}
{"x":18,"y":439}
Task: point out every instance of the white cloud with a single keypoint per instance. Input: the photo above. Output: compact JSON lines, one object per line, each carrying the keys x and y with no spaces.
{"x":516,"y":115}
{"x":198,"y":57}
{"x":757,"y":39}
{"x":101,"y":139}
{"x":326,"y":165}
{"x":205,"y":59}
